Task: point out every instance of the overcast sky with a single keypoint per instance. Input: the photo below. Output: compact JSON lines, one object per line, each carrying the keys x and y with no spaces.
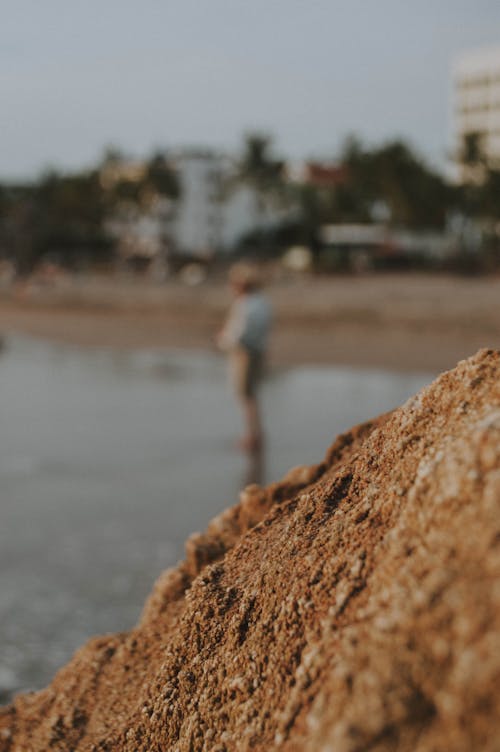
{"x":77,"y":76}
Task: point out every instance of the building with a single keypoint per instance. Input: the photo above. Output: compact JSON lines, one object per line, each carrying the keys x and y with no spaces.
{"x":318,"y":174}
{"x":197,"y":225}
{"x":476,"y":112}
{"x":217,"y":208}
{"x":324,"y":175}
{"x":245,"y":211}
{"x":364,"y":246}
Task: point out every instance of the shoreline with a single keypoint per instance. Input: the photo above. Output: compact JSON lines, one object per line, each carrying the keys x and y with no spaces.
{"x":396,"y":323}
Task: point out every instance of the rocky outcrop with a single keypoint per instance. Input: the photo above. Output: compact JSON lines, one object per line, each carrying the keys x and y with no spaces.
{"x":353,"y":606}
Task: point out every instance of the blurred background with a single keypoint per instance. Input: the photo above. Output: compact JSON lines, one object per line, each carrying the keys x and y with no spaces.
{"x":350,"y":149}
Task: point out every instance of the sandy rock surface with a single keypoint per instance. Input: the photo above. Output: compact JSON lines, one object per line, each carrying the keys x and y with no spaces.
{"x":353,"y":606}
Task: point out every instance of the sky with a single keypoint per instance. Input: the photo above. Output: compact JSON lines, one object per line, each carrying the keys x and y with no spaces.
{"x":76,"y":77}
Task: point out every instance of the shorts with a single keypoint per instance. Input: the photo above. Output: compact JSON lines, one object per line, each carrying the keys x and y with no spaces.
{"x":246,"y":371}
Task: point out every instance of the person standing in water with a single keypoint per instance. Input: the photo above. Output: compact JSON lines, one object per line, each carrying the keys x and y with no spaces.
{"x":244,"y":337}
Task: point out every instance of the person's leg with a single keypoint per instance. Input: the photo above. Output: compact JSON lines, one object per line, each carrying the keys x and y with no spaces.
{"x":251,"y":411}
{"x":251,"y":401}
{"x":246,"y":371}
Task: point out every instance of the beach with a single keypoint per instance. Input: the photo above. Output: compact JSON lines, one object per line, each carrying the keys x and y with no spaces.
{"x":110,"y":459}
{"x":112,"y":389}
{"x":399,"y":322}
{"x":353,"y":602}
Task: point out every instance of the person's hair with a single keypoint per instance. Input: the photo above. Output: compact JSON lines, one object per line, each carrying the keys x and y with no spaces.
{"x":245,"y":275}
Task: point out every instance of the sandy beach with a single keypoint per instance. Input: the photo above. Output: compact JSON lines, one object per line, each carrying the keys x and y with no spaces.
{"x":396,"y":322}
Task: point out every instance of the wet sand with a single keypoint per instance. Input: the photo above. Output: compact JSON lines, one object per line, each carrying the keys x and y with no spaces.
{"x":396,"y":322}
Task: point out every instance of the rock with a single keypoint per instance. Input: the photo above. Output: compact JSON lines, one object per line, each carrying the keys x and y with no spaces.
{"x":354,"y":606}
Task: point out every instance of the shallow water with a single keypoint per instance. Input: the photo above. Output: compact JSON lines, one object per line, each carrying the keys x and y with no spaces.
{"x":109,"y":460}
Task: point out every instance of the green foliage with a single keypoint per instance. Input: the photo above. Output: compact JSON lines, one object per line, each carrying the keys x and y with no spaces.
{"x":161,"y":177}
{"x":63,"y":217}
{"x":70,"y":212}
{"x":17,"y":224}
{"x":387,"y":183}
{"x":490,"y":198}
{"x":60,"y":217}
{"x":472,"y":153}
{"x":257,"y":165}
{"x":416,"y":196}
{"x":156,"y":178}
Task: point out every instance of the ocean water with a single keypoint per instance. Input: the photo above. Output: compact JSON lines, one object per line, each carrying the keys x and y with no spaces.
{"x":109,"y":460}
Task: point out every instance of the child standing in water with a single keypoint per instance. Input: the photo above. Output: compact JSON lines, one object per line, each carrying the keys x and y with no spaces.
{"x":245,"y":337}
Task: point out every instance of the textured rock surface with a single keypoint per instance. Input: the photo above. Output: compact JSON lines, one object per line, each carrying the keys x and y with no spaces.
{"x":353,"y":606}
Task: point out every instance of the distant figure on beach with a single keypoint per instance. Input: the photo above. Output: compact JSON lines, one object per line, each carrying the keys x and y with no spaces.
{"x":244,"y":337}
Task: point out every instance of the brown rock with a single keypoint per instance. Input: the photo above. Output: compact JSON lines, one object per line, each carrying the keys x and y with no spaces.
{"x":354,"y":606}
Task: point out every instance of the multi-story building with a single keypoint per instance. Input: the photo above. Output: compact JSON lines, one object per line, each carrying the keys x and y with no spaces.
{"x":218,"y":208}
{"x":197,"y":225}
{"x":477,"y":112}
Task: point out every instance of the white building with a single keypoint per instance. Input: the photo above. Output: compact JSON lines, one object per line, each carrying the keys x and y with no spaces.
{"x":197,"y":225}
{"x":476,"y":78}
{"x":216,"y":208}
{"x":245,"y":210}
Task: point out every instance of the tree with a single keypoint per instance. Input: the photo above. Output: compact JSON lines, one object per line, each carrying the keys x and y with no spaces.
{"x":257,"y":165}
{"x":70,"y":211}
{"x":415,"y":195}
{"x":161,"y":176}
{"x":263,"y":173}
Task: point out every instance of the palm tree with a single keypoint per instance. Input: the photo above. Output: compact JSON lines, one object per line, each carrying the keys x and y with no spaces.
{"x":263,"y":173}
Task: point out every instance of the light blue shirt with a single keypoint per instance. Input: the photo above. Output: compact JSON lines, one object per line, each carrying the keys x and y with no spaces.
{"x":249,"y":323}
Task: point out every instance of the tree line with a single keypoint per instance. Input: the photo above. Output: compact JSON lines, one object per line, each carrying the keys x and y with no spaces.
{"x":63,"y":216}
